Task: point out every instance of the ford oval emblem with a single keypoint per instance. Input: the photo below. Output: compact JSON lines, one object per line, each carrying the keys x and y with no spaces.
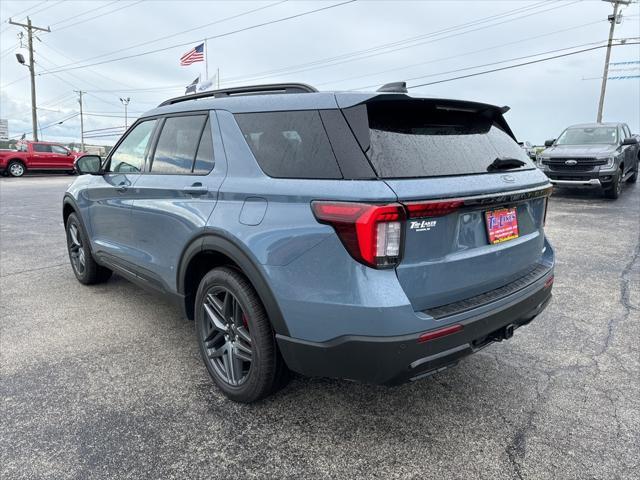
{"x":508,"y":178}
{"x":571,"y":162}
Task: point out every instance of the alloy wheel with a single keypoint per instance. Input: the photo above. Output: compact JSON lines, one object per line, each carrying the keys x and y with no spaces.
{"x":226,"y":337}
{"x":16,"y":169}
{"x":76,"y":250}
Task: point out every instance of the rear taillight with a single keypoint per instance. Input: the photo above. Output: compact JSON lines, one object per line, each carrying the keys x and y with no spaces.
{"x":544,"y":215}
{"x":372,"y":234}
{"x":432,"y":208}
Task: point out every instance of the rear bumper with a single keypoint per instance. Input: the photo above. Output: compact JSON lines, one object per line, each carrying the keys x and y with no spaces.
{"x":398,"y":359}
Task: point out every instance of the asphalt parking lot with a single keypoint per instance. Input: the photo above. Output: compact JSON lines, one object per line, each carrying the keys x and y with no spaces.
{"x":107,"y":381}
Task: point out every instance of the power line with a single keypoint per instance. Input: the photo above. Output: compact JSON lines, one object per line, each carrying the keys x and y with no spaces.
{"x":251,"y":27}
{"x":67,"y":19}
{"x":16,"y":15}
{"x":451,"y":57}
{"x":521,"y":64}
{"x":158,"y":39}
{"x":99,"y":16}
{"x":398,"y":43}
{"x":437,"y":74}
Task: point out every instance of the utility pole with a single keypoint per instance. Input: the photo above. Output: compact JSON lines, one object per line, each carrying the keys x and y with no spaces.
{"x":80,"y":92}
{"x":125,"y":102}
{"x":613,"y":19}
{"x":30,"y":28}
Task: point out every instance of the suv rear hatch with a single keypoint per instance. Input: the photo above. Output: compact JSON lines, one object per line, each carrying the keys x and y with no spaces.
{"x":475,"y":202}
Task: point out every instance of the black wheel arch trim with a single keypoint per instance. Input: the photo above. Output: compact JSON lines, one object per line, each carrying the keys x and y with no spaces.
{"x":218,"y":242}
{"x":69,"y":200}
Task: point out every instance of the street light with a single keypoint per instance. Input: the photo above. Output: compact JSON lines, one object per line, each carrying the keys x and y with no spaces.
{"x":125,"y":102}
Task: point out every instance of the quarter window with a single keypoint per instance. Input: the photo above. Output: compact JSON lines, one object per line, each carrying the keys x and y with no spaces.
{"x":128,"y":157}
{"x":289,"y":144}
{"x":178,"y":144}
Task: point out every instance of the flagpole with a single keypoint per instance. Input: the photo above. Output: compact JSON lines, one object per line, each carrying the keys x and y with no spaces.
{"x":206,"y":60}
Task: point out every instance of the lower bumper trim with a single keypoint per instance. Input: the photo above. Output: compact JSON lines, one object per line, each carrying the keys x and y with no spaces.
{"x":591,"y":182}
{"x":394,"y":360}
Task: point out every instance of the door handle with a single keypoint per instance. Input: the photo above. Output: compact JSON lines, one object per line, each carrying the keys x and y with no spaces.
{"x":196,"y":190}
{"x":122,"y":187}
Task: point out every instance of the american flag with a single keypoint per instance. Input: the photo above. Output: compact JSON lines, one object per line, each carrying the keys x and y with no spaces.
{"x":192,"y":56}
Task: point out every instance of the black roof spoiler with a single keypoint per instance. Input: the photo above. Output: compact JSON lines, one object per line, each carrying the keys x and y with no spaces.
{"x":274,"y":88}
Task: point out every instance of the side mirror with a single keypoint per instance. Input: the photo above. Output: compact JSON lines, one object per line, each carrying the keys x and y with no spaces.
{"x":88,"y":164}
{"x":630,"y":141}
{"x":68,"y":153}
{"x":548,"y":143}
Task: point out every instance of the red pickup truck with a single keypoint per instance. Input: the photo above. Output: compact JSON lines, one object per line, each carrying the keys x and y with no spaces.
{"x":43,"y":156}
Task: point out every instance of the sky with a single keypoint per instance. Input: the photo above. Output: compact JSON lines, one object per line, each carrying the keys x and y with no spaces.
{"x":332,"y":45}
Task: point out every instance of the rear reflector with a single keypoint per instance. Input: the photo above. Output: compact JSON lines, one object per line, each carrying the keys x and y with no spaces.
{"x":441,"y":332}
{"x":371,"y":233}
{"x":432,"y":209}
{"x":549,"y":281}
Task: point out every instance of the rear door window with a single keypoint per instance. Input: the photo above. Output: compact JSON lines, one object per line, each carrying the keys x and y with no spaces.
{"x":416,"y":139}
{"x":177,"y":145}
{"x":290,"y":144}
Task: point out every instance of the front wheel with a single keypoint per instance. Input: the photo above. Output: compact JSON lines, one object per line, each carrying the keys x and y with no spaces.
{"x":235,"y":337}
{"x":634,"y":178}
{"x":615,"y":189}
{"x":85,"y":268}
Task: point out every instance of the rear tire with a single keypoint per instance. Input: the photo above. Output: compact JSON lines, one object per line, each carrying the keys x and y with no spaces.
{"x":235,"y":337}
{"x":16,"y":168}
{"x":614,"y":191}
{"x":85,"y":268}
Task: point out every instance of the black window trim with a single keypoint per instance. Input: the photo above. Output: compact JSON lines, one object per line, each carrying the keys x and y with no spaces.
{"x":148,"y":164}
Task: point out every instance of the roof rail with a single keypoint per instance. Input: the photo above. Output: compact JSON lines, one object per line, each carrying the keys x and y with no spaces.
{"x":248,"y":90}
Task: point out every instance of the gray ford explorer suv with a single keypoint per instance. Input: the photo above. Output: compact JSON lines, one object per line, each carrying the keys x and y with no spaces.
{"x":377,"y":237}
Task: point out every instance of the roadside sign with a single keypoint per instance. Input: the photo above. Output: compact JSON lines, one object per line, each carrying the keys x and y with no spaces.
{"x":4,"y":129}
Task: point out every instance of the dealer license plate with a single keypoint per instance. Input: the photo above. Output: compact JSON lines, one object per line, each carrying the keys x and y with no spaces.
{"x":502,"y":225}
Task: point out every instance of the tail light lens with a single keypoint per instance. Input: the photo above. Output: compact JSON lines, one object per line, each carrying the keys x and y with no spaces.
{"x":432,"y":209}
{"x":372,"y":234}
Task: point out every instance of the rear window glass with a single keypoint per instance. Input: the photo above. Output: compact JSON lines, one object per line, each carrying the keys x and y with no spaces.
{"x":289,"y":144}
{"x":409,"y":139}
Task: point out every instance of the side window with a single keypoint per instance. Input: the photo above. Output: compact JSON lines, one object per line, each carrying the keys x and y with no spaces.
{"x":58,"y":149}
{"x":177,"y":144}
{"x":626,"y":131}
{"x":204,"y":157}
{"x":42,"y":148}
{"x":128,"y":157}
{"x":289,"y":144}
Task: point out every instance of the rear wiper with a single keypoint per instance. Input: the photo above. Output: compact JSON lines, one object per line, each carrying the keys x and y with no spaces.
{"x":505,"y":163}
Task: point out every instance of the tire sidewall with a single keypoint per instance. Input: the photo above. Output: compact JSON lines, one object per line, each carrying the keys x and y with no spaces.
{"x":263,"y":345}
{"x":73,"y":220}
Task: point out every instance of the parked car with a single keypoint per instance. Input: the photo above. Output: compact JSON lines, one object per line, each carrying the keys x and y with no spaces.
{"x":529,"y":149}
{"x":377,"y":237}
{"x":42,"y":156}
{"x":602,"y":155}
